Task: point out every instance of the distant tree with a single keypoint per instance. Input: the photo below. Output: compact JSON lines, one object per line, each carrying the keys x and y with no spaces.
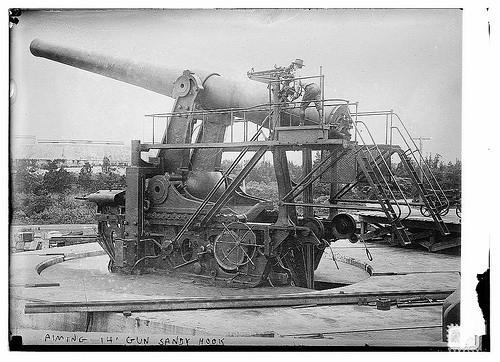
{"x":105,"y":164}
{"x":35,"y":204}
{"x":262,"y":172}
{"x":54,"y":165}
{"x":434,"y":162}
{"x":265,"y":190}
{"x":452,"y":175}
{"x":109,"y":181}
{"x":225,"y":164}
{"x":449,"y":175}
{"x":85,"y":177}
{"x":57,"y":180}
{"x":295,"y":171}
{"x":25,"y":177}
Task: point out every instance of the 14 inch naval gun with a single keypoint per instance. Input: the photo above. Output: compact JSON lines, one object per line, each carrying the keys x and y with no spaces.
{"x":180,"y":212}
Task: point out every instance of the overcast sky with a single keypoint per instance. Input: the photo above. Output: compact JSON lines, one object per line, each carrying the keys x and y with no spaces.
{"x":401,"y":59}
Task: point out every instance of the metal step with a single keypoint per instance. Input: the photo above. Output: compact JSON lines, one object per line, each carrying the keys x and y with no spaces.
{"x":426,"y":198}
{"x":398,"y":228}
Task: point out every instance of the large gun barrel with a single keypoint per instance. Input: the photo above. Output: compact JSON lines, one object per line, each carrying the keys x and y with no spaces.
{"x":219,"y":92}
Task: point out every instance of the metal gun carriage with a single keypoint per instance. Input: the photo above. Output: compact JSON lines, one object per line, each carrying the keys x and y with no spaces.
{"x":181,"y":213}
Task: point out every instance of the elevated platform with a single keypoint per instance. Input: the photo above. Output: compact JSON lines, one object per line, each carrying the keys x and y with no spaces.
{"x":79,"y":274}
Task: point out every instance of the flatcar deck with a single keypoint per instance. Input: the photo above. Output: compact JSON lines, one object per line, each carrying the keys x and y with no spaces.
{"x":415,"y":220}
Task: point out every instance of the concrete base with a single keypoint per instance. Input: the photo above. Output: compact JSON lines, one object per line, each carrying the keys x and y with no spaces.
{"x":79,"y":273}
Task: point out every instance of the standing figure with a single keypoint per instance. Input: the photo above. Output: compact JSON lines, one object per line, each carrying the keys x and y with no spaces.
{"x":312,"y":91}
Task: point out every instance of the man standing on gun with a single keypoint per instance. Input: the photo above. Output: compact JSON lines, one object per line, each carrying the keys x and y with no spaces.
{"x":312,"y":91}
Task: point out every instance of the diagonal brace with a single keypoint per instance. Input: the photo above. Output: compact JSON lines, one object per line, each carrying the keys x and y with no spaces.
{"x":234,"y":184}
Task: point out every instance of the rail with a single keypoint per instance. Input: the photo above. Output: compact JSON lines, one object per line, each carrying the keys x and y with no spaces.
{"x":429,"y":176}
{"x":241,"y":115}
{"x":375,"y":164}
{"x":244,"y":115}
{"x":422,"y":164}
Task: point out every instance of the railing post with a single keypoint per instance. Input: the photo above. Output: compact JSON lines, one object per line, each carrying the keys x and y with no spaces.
{"x":232,"y":126}
{"x":322,"y":86}
{"x":386,"y":128}
{"x":245,"y":126}
{"x":390,"y":139}
{"x":355,"y":122}
{"x":153,"y":129}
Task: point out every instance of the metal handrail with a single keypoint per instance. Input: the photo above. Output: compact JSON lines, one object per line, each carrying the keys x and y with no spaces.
{"x":417,"y":163}
{"x":424,"y":162}
{"x":375,"y":147}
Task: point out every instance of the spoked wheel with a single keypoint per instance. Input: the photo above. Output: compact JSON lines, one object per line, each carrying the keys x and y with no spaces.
{"x":444,"y":211}
{"x":425,"y":211}
{"x":235,"y":247}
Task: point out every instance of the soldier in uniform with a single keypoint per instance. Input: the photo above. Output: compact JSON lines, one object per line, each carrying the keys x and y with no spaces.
{"x":312,"y":91}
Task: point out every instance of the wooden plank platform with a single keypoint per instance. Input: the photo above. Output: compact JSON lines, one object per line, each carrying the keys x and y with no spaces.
{"x":415,"y":220}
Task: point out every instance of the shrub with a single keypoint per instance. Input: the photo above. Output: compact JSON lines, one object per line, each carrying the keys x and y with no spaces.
{"x":266,"y":191}
{"x":56,"y":181}
{"x":55,"y":209}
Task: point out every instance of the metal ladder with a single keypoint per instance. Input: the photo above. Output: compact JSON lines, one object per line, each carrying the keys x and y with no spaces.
{"x":370,"y":166}
{"x":382,"y":196}
{"x":427,"y":185}
{"x":425,"y":195}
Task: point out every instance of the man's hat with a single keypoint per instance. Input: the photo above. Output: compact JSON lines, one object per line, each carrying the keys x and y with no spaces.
{"x":299,"y":62}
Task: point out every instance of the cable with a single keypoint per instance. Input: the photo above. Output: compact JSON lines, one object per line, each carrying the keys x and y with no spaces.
{"x":368,"y":254}
{"x":147,"y":256}
{"x":144,"y":258}
{"x":333,"y":256}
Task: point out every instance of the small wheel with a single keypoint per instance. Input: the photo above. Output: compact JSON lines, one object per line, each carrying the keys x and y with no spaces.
{"x":458,"y":211}
{"x":444,"y":211}
{"x":343,"y":226}
{"x":315,"y":225}
{"x":424,"y":211}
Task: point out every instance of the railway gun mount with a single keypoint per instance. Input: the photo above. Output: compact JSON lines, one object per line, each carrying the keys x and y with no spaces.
{"x":182,"y":213}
